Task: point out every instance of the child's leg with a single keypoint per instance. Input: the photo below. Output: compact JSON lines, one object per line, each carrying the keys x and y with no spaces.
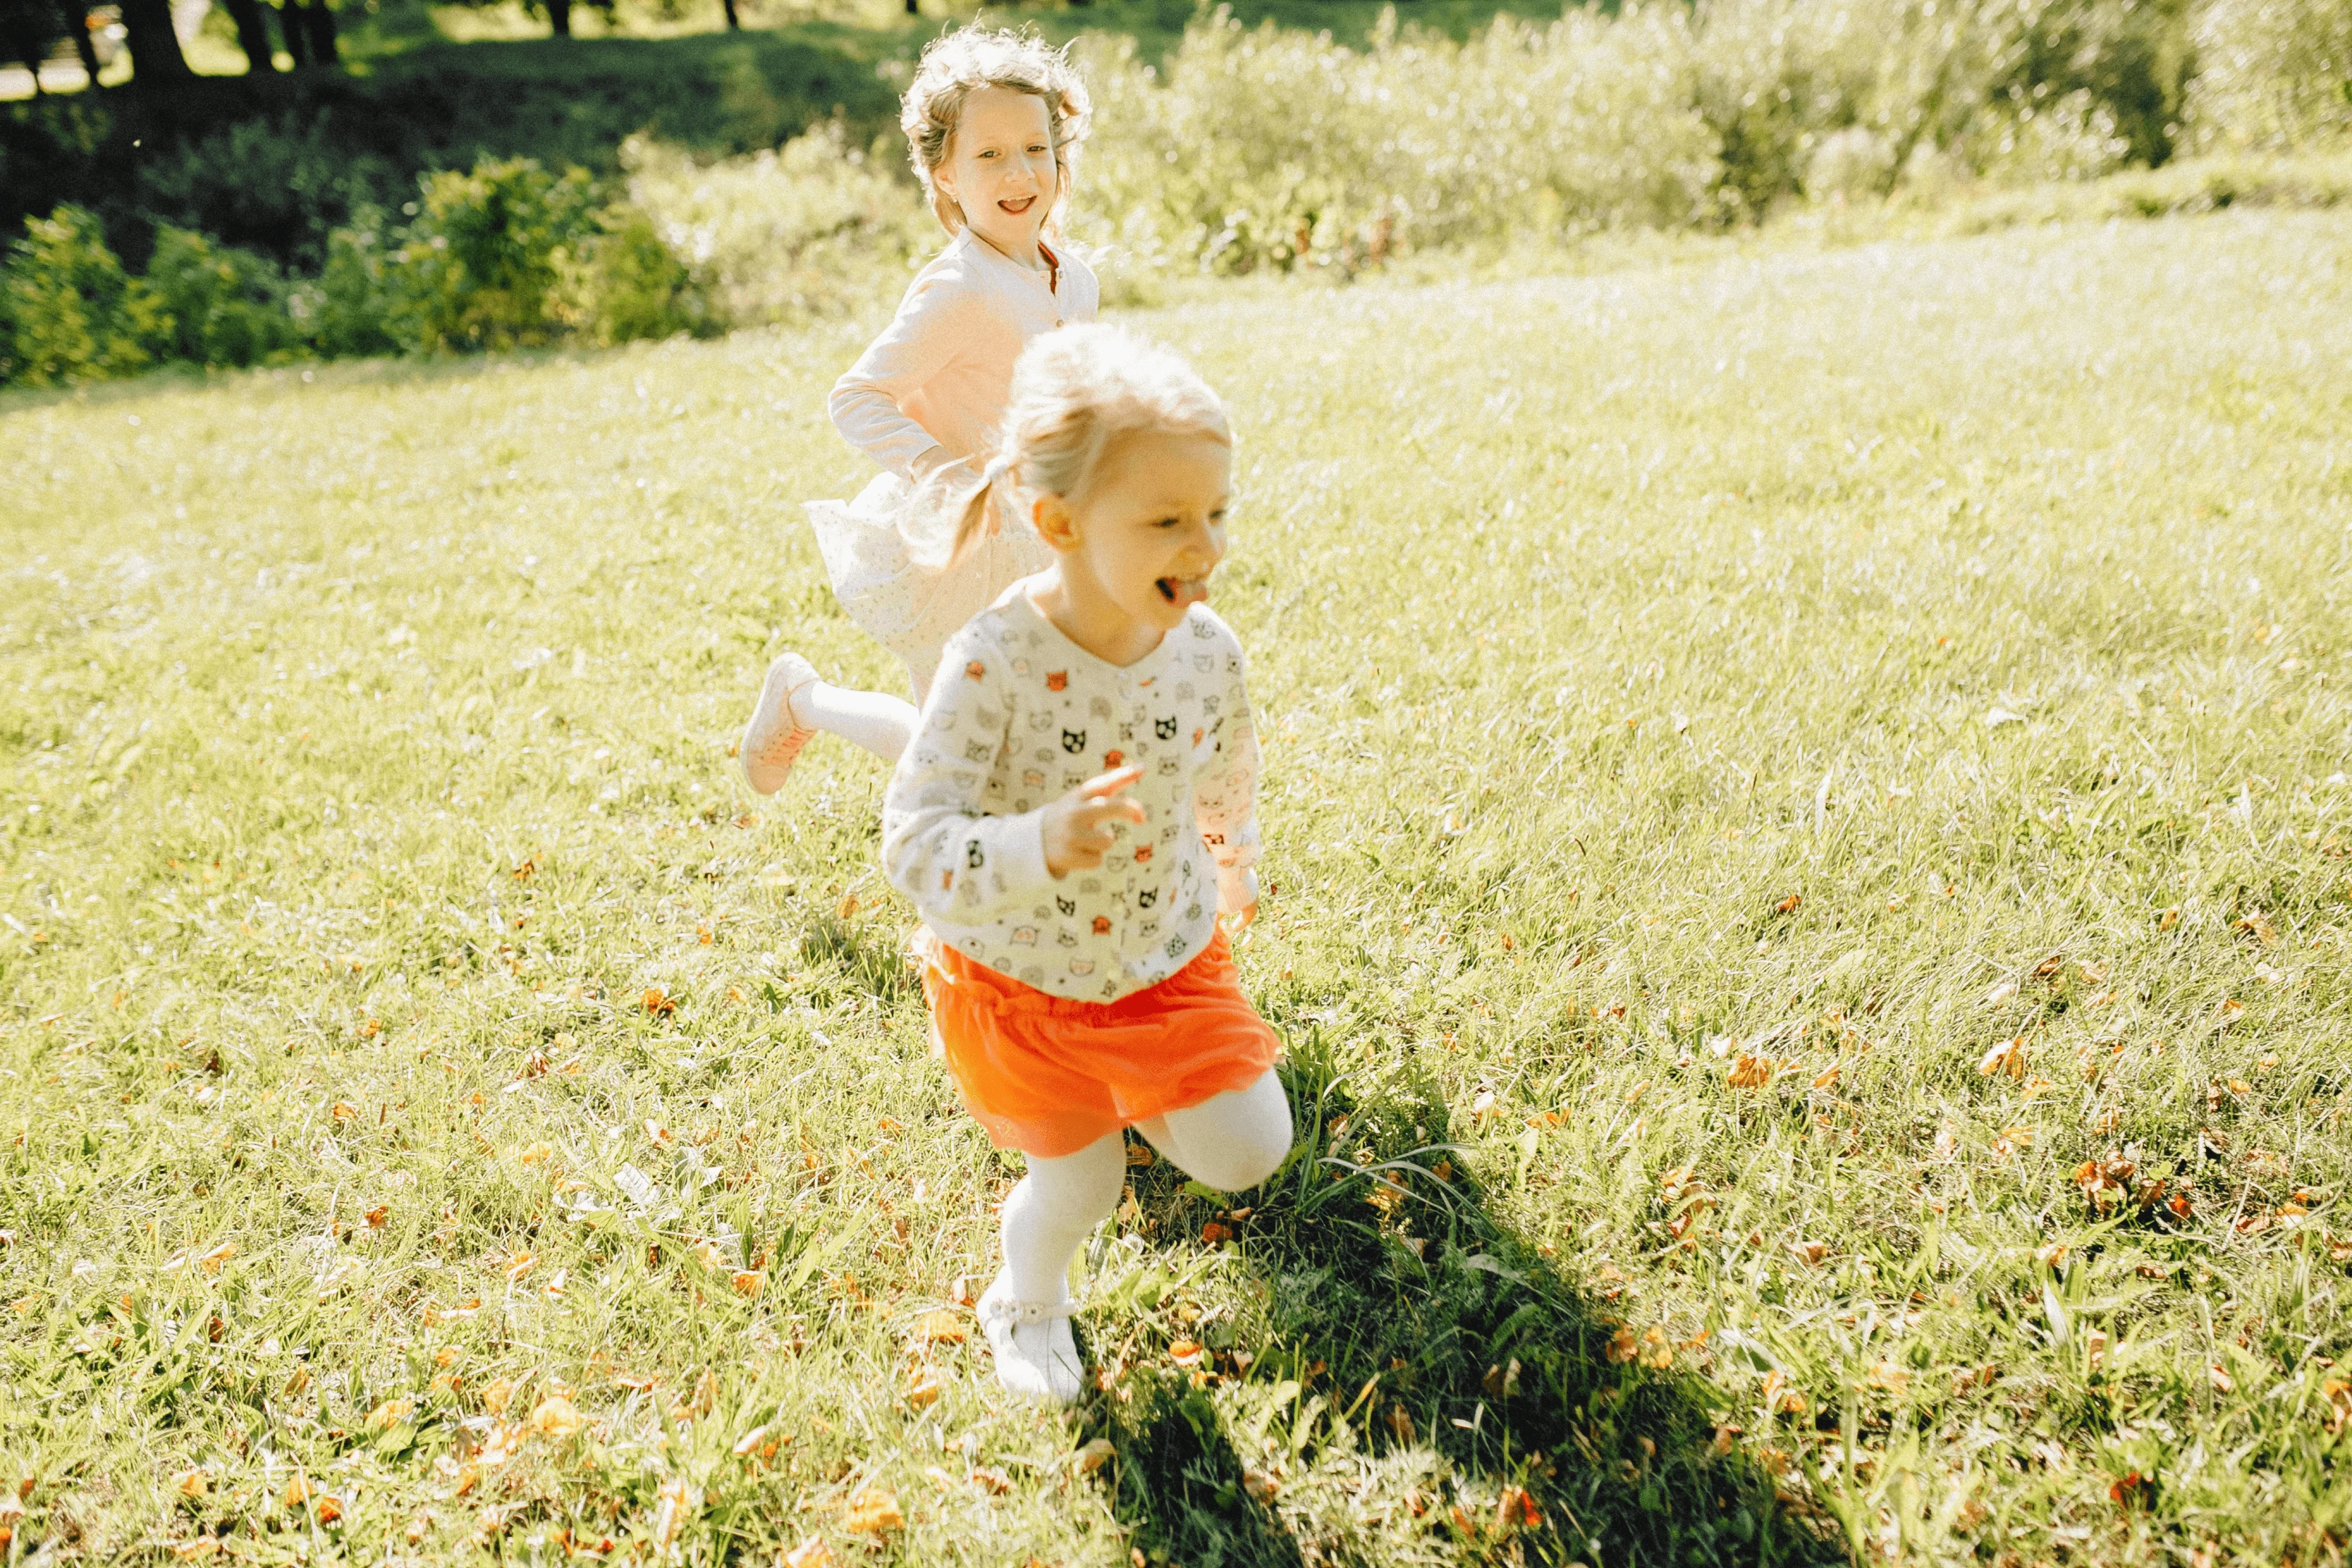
{"x":876,"y":720}
{"x":1230,"y":1142}
{"x":1045,"y":1217}
{"x":795,"y":704}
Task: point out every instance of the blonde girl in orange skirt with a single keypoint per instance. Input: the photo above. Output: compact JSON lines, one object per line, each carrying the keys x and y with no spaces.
{"x":1075,"y":820}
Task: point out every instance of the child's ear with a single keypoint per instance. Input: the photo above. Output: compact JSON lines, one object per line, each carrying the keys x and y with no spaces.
{"x":1056,"y":524}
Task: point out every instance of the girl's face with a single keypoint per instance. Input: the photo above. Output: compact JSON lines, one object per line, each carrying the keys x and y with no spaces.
{"x":1000,"y":168}
{"x":1137,"y":547}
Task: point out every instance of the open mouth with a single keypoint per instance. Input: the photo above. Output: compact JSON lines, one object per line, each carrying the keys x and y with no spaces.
{"x":1184,"y":591}
{"x":1017,"y":208}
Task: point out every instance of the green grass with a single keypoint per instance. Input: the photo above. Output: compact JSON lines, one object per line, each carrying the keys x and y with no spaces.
{"x":1707,"y":709}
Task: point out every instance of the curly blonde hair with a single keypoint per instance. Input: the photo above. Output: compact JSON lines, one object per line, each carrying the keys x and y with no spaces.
{"x":973,"y":56}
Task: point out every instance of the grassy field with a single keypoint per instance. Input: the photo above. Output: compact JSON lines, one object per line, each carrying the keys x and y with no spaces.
{"x":1808,"y":826}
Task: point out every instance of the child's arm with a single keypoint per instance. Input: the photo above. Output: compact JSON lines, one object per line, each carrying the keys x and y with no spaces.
{"x":940,"y":845}
{"x":1225,"y":803}
{"x":920,"y":342}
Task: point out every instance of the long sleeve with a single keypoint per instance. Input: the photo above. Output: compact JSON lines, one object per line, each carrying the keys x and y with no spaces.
{"x":940,"y":847}
{"x":935,"y":321}
{"x":1224,"y":800}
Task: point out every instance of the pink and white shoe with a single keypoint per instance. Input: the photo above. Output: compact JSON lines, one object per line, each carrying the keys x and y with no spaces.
{"x":772,"y":740}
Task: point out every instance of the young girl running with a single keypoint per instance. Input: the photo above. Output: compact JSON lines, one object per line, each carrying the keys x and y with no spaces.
{"x":1076,"y":807}
{"x":992,"y":121}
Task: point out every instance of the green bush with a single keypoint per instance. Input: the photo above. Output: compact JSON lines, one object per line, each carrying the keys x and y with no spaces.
{"x":623,"y":283}
{"x":1260,"y":148}
{"x":280,"y":186}
{"x":2273,"y":74}
{"x":227,"y":306}
{"x":818,"y":228}
{"x":347,"y":311}
{"x":482,"y":264}
{"x":71,"y":312}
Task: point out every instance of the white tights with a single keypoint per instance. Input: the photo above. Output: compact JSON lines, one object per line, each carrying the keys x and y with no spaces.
{"x":876,"y":720}
{"x":883,"y":725}
{"x":1231,"y":1143}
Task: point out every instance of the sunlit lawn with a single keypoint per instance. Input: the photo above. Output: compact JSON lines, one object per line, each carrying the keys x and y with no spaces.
{"x":1807,"y":813}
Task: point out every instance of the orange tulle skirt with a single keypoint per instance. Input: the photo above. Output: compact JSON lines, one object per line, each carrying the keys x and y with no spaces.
{"x":1049,"y":1075}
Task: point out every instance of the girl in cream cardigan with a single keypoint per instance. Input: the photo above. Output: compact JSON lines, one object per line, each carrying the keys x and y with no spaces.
{"x":992,"y":121}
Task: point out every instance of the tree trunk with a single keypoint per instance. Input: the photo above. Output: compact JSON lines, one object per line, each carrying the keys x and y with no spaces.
{"x":77,"y":23}
{"x":252,"y":36}
{"x":559,"y":16}
{"x":155,"y":56}
{"x":295,"y":28}
{"x":914,"y":7}
{"x":321,"y":20}
{"x":734,"y":23}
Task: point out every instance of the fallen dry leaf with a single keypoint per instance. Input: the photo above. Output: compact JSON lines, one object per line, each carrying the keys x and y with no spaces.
{"x":557,"y":1416}
{"x":2006,"y":1057}
{"x":873,"y":1512}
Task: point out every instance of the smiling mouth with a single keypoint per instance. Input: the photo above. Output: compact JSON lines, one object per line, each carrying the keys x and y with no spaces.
{"x":1017,"y":208}
{"x":1184,"y":591}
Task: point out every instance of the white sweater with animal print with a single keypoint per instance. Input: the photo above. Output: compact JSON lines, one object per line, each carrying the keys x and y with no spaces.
{"x":1018,"y":717}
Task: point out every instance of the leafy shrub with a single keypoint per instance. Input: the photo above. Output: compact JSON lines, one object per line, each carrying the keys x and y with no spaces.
{"x":2273,"y":74}
{"x":481,"y":266}
{"x":280,"y":186}
{"x":227,"y":307}
{"x":1267,"y":149}
{"x":70,"y":310}
{"x":815,"y":229}
{"x":347,"y":310}
{"x":626,"y":284}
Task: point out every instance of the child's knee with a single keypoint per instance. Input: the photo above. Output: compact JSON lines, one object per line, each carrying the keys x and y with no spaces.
{"x":1247,"y":1157}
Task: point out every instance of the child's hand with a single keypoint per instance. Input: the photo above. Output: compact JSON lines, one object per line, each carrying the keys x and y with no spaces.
{"x":1076,"y":827}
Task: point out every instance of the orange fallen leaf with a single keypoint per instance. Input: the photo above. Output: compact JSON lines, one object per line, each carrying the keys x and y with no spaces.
{"x":1514,"y":1510}
{"x":378,"y":1217}
{"x":747,"y":1283}
{"x":1185,"y":1352}
{"x":657,"y":1002}
{"x":193,"y":1483}
{"x":557,"y":1416}
{"x":810,"y":1554}
{"x":873,"y":1512}
{"x":519,"y":1266}
{"x":942,"y":1326}
{"x":343,"y":1110}
{"x":389,"y":1413}
{"x":1215,"y":1235}
{"x":1623,"y":1346}
{"x":2006,"y":1057}
{"x":497,"y":1396}
{"x":533,"y":1154}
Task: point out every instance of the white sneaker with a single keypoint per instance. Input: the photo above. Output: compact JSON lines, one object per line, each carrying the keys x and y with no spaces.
{"x":1036,"y":1357}
{"x":772,"y":740}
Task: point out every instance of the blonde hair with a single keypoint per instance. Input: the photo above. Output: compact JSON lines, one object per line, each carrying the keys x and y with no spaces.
{"x":975,"y":56}
{"x":1075,"y":391}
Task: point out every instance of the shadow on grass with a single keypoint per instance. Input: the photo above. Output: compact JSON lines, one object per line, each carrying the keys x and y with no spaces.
{"x":1470,"y":1349}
